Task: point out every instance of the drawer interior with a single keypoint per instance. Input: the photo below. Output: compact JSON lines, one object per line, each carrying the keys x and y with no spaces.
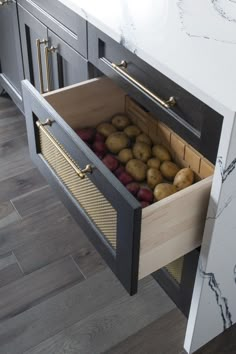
{"x":169,"y":228}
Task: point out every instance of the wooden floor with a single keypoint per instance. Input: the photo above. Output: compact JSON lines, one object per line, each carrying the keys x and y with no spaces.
{"x":56,"y":294}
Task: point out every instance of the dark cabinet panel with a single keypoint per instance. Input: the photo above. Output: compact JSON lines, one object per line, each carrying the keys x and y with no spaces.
{"x":50,"y":63}
{"x":34,"y":39}
{"x":67,"y":24}
{"x":11,"y":67}
{"x":65,"y":66}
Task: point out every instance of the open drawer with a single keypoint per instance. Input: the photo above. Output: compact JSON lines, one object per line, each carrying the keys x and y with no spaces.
{"x":134,"y":242}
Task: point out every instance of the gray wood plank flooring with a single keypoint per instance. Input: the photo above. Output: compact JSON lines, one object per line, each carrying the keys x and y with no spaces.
{"x":56,"y":293}
{"x":150,"y":339}
{"x":26,"y":204}
{"x":9,"y":269}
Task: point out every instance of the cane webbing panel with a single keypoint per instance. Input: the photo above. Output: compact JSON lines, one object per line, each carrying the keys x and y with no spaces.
{"x":175,"y":269}
{"x":97,"y":207}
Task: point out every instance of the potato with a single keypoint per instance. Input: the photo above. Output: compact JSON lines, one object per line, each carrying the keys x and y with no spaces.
{"x":137,"y":169}
{"x":161,"y":153}
{"x":116,"y":142}
{"x":125,"y":155}
{"x":184,"y":178}
{"x":143,"y":138}
{"x":163,"y":190}
{"x":132,"y":131}
{"x":169,"y":170}
{"x":106,"y":129}
{"x":120,"y":121}
{"x":154,"y":177}
{"x":154,"y":162}
{"x":142,"y":151}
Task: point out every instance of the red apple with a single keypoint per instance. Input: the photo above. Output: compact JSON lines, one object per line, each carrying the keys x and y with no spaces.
{"x":111,"y":162}
{"x":99,"y":146}
{"x":145,"y":194}
{"x":86,"y":134}
{"x":144,"y":204}
{"x":119,"y":170}
{"x":133,"y":188}
{"x":125,"y":178}
{"x":99,"y":137}
{"x":100,"y":155}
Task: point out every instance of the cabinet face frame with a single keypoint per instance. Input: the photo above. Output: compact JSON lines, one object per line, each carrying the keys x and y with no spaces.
{"x":55,"y":72}
{"x":31,"y":30}
{"x":61,"y":20}
{"x":66,"y":66}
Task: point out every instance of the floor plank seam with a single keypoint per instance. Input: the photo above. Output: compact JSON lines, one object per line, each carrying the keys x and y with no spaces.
{"x":21,"y":218}
{"x":18,"y":263}
{"x":30,"y":192}
{"x":17,"y":174}
{"x":37,"y":302}
{"x":77,"y":266}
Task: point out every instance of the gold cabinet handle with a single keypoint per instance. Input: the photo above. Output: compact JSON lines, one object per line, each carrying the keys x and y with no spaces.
{"x":47,"y":122}
{"x":120,"y":69}
{"x":78,"y":171}
{"x":5,"y":2}
{"x":48,"y":50}
{"x":39,"y":42}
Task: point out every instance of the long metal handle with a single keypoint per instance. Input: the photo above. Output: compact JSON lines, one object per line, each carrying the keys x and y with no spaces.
{"x":39,"y":42}
{"x":48,"y":50}
{"x":80,"y":173}
{"x":5,"y":2}
{"x":123,"y":65}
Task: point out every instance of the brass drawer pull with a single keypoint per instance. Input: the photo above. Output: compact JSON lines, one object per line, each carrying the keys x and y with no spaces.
{"x":123,"y":65}
{"x":5,"y":2}
{"x":47,"y":122}
{"x":48,"y":50}
{"x":80,"y":173}
{"x":38,"y":45}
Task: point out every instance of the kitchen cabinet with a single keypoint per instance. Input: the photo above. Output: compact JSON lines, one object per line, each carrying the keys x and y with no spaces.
{"x":11,"y":67}
{"x":49,"y":62}
{"x":134,"y":242}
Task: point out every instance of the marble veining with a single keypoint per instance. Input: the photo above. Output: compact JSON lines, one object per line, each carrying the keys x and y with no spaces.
{"x":221,"y":301}
{"x":195,"y":22}
{"x":226,"y":9}
{"x":228,"y":170}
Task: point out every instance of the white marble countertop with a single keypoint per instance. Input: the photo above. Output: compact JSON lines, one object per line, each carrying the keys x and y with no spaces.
{"x":192,"y":42}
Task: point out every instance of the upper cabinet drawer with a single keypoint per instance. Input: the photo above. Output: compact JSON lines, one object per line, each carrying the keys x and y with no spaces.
{"x":135,"y":242}
{"x":169,"y":102}
{"x":61,"y":20}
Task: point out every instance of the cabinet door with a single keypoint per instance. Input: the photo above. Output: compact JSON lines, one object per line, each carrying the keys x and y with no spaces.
{"x":64,"y":65}
{"x":11,"y":66}
{"x":34,"y":40}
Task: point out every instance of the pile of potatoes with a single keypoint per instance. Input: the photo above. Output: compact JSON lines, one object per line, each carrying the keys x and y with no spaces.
{"x":146,"y":170}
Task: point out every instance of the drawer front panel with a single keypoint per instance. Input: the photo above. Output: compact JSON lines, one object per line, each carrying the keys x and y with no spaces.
{"x":99,"y":203}
{"x":189,"y":117}
{"x":97,"y":207}
{"x":61,"y":20}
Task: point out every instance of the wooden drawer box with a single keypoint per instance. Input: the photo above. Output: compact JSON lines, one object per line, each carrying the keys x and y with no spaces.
{"x":135,"y":242}
{"x":193,"y":120}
